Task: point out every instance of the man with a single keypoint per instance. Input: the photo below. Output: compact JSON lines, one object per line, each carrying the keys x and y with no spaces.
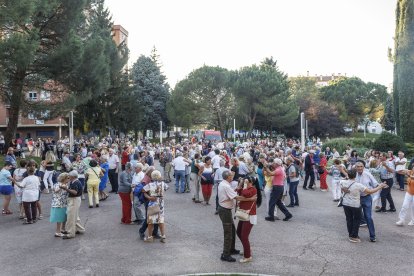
{"x":195,"y":178}
{"x":67,"y":165}
{"x":215,"y":160}
{"x":137,"y":179}
{"x":367,"y":179}
{"x":167,"y":162}
{"x":243,"y":169}
{"x":309,"y":171}
{"x":387,"y":175}
{"x":226,"y":196}
{"x":335,"y":154}
{"x":218,"y":177}
{"x":328,"y":153}
{"x":400,"y":171}
{"x":113,"y":162}
{"x":179,"y":164}
{"x":73,"y":225}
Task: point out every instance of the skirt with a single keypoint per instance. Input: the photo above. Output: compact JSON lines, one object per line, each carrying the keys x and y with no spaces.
{"x":58,"y":214}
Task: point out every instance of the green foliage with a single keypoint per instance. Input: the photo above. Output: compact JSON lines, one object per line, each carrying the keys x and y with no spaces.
{"x":389,"y":121}
{"x":359,"y":144}
{"x":355,"y":100}
{"x":404,"y":69}
{"x":387,"y":141}
{"x":410,"y":150}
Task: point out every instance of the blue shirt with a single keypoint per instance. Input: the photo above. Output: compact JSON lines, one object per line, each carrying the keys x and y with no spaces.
{"x":4,"y":178}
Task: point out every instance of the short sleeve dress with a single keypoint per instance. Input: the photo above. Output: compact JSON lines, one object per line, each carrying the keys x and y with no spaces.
{"x":157,"y":189}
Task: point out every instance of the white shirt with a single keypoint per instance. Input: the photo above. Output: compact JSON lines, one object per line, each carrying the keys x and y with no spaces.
{"x":113,"y":161}
{"x":400,"y":167}
{"x":179,"y":163}
{"x":216,"y":161}
{"x":137,"y":178}
{"x":226,"y":195}
{"x":30,"y":188}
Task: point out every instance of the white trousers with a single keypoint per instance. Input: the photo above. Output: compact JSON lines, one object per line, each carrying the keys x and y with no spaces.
{"x":407,"y":205}
{"x":48,"y":179}
{"x":267,"y":192}
{"x":73,"y":221}
{"x":336,"y":189}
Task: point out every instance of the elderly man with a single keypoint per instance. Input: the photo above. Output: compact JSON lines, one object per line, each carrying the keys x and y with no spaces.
{"x":179,"y":164}
{"x":365,"y":178}
{"x":137,"y":178}
{"x":73,"y":225}
{"x":227,"y":195}
{"x":387,"y":175}
{"x":167,"y":168}
{"x":113,"y":162}
{"x":218,"y":177}
{"x":400,"y":171}
{"x":309,"y":170}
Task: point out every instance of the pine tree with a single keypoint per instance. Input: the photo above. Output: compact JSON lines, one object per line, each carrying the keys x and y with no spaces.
{"x":389,"y":121}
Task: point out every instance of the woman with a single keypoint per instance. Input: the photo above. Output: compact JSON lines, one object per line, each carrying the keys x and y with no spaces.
{"x":268,"y":186}
{"x":18,"y":176}
{"x":6,"y":187}
{"x":322,"y":177}
{"x":30,"y":186}
{"x":125,"y":157}
{"x":79,"y":166}
{"x":94,"y":174}
{"x":59,"y":204}
{"x":373,"y":169}
{"x":259,"y":171}
{"x":354,"y":158}
{"x":104,"y":178}
{"x":336,"y":170}
{"x":235,"y":168}
{"x":124,"y":191}
{"x":351,"y":201}
{"x":49,"y":165}
{"x":206,"y":179}
{"x":248,"y":188}
{"x":408,"y":201}
{"x":10,"y":157}
{"x":154,"y":192}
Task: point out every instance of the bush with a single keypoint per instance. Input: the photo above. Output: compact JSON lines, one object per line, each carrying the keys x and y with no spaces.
{"x":387,"y":141}
{"x":410,"y":150}
{"x":359,"y":144}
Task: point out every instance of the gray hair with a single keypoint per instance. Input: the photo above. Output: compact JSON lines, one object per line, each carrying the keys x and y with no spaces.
{"x":128,"y":166}
{"x":73,"y":174}
{"x":278,"y":161}
{"x":138,"y":165}
{"x":222,"y":162}
{"x":226,"y":174}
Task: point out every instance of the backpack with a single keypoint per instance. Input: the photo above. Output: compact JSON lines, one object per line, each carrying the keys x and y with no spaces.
{"x":138,"y":192}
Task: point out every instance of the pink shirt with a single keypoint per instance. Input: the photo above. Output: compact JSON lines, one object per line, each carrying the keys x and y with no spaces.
{"x":279,"y":177}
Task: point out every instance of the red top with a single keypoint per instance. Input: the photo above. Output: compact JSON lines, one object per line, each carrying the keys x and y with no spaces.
{"x":323,"y":162}
{"x":246,"y":205}
{"x":125,"y":157}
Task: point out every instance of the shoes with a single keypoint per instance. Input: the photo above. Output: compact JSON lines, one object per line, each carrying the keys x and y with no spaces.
{"x":149,"y":239}
{"x":305,"y":188}
{"x":141,"y":236}
{"x":290,"y":205}
{"x":354,"y":240}
{"x":336,"y":200}
{"x":40,"y":217}
{"x":235,"y":252}
{"x":373,"y":240}
{"x":79,"y":232}
{"x":58,"y":235}
{"x":400,"y":223}
{"x":97,"y":205}
{"x":28,"y":222}
{"x":90,"y":206}
{"x":297,"y":204}
{"x":46,"y":191}
{"x":216,"y":212}
{"x":67,"y":237}
{"x":163,"y":238}
{"x":229,"y":259}
{"x":288,"y":217}
{"x":269,"y":219}
{"x":362,"y":225}
{"x":64,"y":232}
{"x":392,"y":210}
{"x":111,"y":192}
{"x":197,"y":201}
{"x":411,"y":223}
{"x":381,"y":211}
{"x":157,"y":237}
{"x":312,"y":188}
{"x":246,"y":260}
{"x":324,"y":190}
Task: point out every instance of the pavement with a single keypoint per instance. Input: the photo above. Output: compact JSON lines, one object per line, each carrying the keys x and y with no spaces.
{"x":314,"y":242}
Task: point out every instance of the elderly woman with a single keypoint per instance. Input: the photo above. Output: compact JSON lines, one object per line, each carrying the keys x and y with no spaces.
{"x":6,"y":187}
{"x":154,"y":193}
{"x":322,"y":176}
{"x":59,"y":204}
{"x":94,"y":173}
{"x":124,"y":191}
{"x":351,"y":201}
{"x":206,"y":179}
{"x":104,"y":179}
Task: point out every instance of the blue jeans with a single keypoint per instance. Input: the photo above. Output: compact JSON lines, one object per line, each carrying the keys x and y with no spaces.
{"x":366,"y":204}
{"x":293,"y":193}
{"x":179,"y":181}
{"x":400,"y":180}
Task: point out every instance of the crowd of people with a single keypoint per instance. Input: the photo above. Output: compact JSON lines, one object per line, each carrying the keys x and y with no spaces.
{"x":232,"y":176}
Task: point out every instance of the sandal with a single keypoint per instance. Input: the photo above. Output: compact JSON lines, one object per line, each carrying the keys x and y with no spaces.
{"x":58,"y":235}
{"x":8,"y":212}
{"x":149,"y":239}
{"x":64,"y":232}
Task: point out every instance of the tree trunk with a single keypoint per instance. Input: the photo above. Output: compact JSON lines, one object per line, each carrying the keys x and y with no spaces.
{"x":15,"y":103}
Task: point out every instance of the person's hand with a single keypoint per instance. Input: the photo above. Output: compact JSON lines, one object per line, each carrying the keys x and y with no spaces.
{"x":384,"y":185}
{"x":152,"y":198}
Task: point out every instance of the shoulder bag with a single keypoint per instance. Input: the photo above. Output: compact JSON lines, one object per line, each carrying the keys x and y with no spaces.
{"x":243,"y":215}
{"x":342,"y":196}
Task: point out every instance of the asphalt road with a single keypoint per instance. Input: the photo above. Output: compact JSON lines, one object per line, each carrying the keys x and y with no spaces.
{"x":314,"y":242}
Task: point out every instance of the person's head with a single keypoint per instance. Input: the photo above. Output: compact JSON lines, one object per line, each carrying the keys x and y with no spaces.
{"x":8,"y":165}
{"x":196,"y":156}
{"x":217,"y":151}
{"x":104,"y":159}
{"x":348,"y":146}
{"x":63,"y":177}
{"x":354,"y":153}
{"x":138,"y":167}
{"x":77,"y":157}
{"x":156,"y":175}
{"x":23,"y":163}
{"x":277,"y":162}
{"x":373,"y":163}
{"x":337,"y":162}
{"x":321,"y":155}
{"x":222,"y":162}
{"x":401,"y":154}
{"x":249,"y":181}
{"x":311,"y":153}
{"x":10,"y":150}
{"x":228,"y":176}
{"x":328,"y":149}
{"x":390,"y":154}
{"x":334,"y":150}
{"x":31,"y":170}
{"x":289,"y":160}
{"x":128,"y":166}
{"x":149,"y":171}
{"x":73,"y":175}
{"x":93,"y":163}
{"x":359,"y":167}
{"x":383,"y":156}
{"x":207,"y":160}
{"x":111,"y":152}
{"x":234,"y":161}
{"x":352,"y":174}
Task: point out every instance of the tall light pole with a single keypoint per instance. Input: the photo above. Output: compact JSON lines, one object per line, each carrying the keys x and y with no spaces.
{"x":160,"y":132}
{"x":71,"y":131}
{"x":302,"y":131}
{"x":234,"y":131}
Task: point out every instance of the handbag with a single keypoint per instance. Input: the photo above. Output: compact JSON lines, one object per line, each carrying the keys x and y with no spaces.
{"x":340,"y":202}
{"x":321,"y":170}
{"x":153,"y":210}
{"x":243,"y":215}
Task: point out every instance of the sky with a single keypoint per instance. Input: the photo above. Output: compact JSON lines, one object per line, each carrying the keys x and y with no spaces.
{"x":323,"y":37}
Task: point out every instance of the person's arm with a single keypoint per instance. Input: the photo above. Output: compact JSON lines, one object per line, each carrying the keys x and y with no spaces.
{"x":71,"y":191}
{"x":389,"y":169}
{"x":372,"y":191}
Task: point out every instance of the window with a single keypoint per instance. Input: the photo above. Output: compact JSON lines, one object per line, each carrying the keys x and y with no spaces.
{"x":32,"y":96}
{"x":45,"y":96}
{"x":45,"y":114}
{"x":31,"y":116}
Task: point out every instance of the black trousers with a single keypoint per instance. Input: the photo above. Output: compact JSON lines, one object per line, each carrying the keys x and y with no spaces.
{"x":386,"y":194}
{"x":311,"y":175}
{"x":229,"y":230}
{"x":276,"y":196}
{"x":113,"y":178}
{"x":353,"y":218}
{"x":30,"y":210}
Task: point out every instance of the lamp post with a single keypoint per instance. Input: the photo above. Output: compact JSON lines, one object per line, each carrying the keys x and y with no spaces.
{"x":302,"y":131}
{"x":160,"y":133}
{"x":234,"y":131}
{"x":71,"y":131}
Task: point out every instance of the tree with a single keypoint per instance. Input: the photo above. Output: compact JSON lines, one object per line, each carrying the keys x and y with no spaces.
{"x":202,"y":98}
{"x":388,"y":121}
{"x":151,"y":93}
{"x":404,"y":69}
{"x":355,"y":99}
{"x":43,"y":46}
{"x":263,"y":92}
